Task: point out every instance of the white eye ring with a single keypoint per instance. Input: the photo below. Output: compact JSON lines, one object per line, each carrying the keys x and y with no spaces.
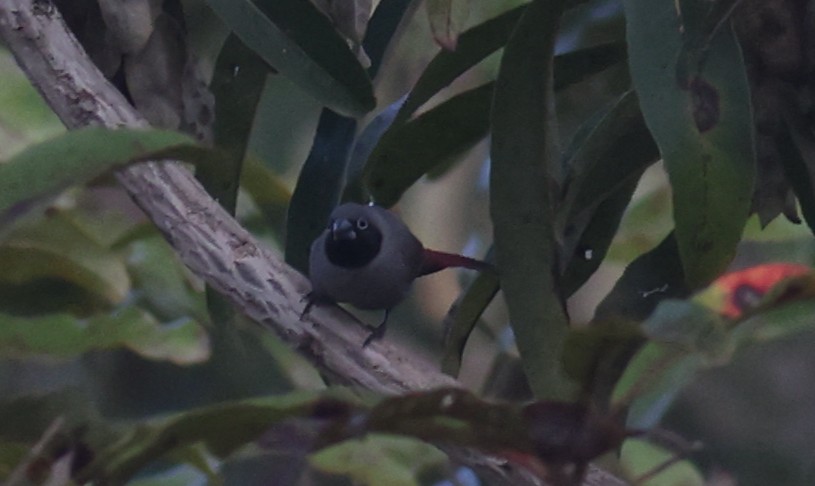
{"x":362,"y":224}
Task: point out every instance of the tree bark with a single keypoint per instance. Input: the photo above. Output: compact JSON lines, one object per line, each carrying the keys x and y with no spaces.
{"x":208,"y":240}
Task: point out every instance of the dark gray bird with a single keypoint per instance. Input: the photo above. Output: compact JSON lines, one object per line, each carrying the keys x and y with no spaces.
{"x":368,"y":258}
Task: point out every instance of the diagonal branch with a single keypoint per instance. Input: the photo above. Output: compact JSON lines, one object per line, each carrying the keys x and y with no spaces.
{"x":209,"y":241}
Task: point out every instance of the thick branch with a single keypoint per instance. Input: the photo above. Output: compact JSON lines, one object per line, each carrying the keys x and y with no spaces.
{"x":210,"y":242}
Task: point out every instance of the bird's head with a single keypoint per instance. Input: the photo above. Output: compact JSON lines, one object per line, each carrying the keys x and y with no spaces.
{"x":354,"y":239}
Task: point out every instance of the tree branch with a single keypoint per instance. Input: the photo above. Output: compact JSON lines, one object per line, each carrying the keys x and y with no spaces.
{"x":209,"y":241}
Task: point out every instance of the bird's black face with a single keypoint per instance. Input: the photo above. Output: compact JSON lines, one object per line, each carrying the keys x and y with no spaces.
{"x":352,"y":243}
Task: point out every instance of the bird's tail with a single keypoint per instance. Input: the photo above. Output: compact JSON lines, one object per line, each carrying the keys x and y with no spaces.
{"x":434,"y":261}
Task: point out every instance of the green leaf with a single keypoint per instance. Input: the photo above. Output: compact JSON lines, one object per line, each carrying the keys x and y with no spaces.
{"x":165,"y":286}
{"x":222,"y":428}
{"x":698,"y":110}
{"x":237,"y":84}
{"x":420,"y":146}
{"x":473,"y":46}
{"x":408,"y":151}
{"x":463,"y":316}
{"x":651,"y":278}
{"x":268,"y":191}
{"x":652,"y":380}
{"x":379,"y":459}
{"x":75,"y":157}
{"x":525,"y":156}
{"x":300,"y":42}
{"x":602,"y":175}
{"x":65,"y":336}
{"x":54,"y":248}
{"x":638,"y":457}
{"x":590,"y":249}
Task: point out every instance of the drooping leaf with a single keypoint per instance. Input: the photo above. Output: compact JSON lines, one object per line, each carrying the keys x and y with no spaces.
{"x":524,"y":159}
{"x":296,"y":39}
{"x":707,"y":140}
{"x":28,"y":179}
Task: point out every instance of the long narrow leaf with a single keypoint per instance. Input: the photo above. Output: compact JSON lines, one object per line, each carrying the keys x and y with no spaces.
{"x":524,"y":153}
{"x":300,"y":42}
{"x":698,"y":110}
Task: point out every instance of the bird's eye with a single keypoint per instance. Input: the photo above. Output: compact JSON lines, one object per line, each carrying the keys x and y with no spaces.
{"x":362,"y":223}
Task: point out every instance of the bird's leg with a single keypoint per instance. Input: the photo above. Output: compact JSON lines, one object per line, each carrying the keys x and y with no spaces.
{"x":378,"y":332}
{"x":311,"y":299}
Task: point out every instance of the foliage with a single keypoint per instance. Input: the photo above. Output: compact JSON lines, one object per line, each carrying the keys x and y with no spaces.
{"x":116,"y":365}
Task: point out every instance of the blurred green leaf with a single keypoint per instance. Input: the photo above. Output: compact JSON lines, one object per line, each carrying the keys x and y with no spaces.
{"x":652,"y":380}
{"x":165,"y":286}
{"x":524,"y":160}
{"x":56,"y":249}
{"x":699,"y":111}
{"x":41,"y":170}
{"x":268,"y":191}
{"x":222,"y":428}
{"x":65,"y":336}
{"x":379,"y":459}
{"x":297,"y":40}
{"x":596,"y":356}
{"x":26,"y":417}
{"x":639,"y":457}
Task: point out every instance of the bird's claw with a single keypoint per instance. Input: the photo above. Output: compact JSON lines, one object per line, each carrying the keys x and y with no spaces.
{"x":378,"y":332}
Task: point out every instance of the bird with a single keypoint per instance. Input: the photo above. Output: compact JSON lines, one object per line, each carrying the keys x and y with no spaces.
{"x":369,"y":258}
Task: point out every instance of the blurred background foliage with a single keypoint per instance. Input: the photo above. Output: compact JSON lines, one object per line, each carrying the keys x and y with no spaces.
{"x":108,"y":345}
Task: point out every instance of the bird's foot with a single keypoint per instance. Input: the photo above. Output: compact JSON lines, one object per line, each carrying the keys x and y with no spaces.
{"x":310,"y":299}
{"x":378,"y":332}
